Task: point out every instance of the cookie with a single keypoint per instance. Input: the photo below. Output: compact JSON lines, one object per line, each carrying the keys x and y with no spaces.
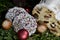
{"x":21,"y":19}
{"x":13,"y":12}
{"x":26,"y":21}
{"x":44,"y":15}
{"x":54,"y":27}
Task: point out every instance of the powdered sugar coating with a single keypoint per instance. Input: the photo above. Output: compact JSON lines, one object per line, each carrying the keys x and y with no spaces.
{"x":21,"y":19}
{"x":57,"y":16}
{"x":24,"y":20}
{"x":13,"y":12}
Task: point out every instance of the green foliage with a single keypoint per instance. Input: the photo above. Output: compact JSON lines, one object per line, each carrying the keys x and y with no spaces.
{"x":7,"y":34}
{"x":44,"y":36}
{"x":5,"y":5}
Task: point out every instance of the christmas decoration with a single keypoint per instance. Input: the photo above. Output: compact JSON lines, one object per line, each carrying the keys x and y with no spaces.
{"x":23,"y":34}
{"x":22,"y":19}
{"x":6,"y":24}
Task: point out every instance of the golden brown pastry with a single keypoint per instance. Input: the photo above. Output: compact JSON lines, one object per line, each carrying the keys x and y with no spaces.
{"x":6,"y":24}
{"x":44,"y":15}
{"x":41,"y":28}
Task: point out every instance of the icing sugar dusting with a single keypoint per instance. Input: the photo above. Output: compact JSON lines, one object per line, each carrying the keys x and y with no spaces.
{"x":57,"y":16}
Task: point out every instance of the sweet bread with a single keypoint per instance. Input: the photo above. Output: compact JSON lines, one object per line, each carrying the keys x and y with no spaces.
{"x":44,"y":15}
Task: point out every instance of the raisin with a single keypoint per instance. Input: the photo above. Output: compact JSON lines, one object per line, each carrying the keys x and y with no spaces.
{"x":36,"y":16}
{"x":46,"y":22}
{"x":26,"y":24}
{"x":39,"y":22}
{"x":38,"y":12}
{"x":47,"y":16}
{"x":58,"y":22}
{"x":53,"y":30}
